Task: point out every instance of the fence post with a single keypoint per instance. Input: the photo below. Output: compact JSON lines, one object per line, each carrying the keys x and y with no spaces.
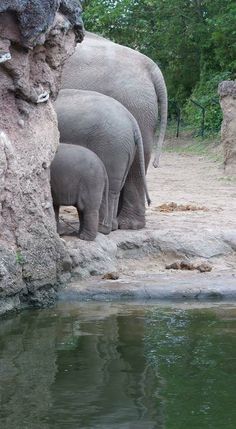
{"x":178,"y":115}
{"x":203,"y":116}
{"x":178,"y":119}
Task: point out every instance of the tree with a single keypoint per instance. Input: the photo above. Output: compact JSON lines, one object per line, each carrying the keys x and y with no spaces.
{"x":193,"y":41}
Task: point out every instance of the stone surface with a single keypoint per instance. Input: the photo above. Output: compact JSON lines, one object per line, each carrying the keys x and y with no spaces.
{"x":227,"y":91}
{"x":106,"y":254}
{"x":32,"y":256}
{"x":92,"y":258}
{"x":35,"y":17}
{"x":205,"y":244}
{"x":230,"y":238}
{"x":198,"y":287}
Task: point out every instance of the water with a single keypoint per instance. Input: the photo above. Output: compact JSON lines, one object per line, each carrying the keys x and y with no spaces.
{"x":119,"y":366}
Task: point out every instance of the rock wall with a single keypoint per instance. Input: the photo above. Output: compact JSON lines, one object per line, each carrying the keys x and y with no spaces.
{"x":32,"y":257}
{"x":227,"y":91}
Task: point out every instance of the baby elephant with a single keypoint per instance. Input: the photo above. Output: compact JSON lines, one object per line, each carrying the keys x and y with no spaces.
{"x":79,"y":179}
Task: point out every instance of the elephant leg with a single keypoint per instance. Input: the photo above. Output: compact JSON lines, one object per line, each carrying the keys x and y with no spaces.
{"x":81,"y":220}
{"x":113,"y":200}
{"x":131,"y":213}
{"x":115,"y":212}
{"x":89,"y":227}
{"x":105,"y":224}
{"x":56,"y":211}
{"x":112,"y":223}
{"x":104,"y":229}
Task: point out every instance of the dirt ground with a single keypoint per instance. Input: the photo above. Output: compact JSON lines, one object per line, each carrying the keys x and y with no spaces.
{"x":189,"y":192}
{"x":194,"y":180}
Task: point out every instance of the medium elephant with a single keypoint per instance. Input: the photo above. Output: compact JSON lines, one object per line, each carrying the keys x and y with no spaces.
{"x":105,"y":126}
{"x":137,"y":82}
{"x":79,"y":179}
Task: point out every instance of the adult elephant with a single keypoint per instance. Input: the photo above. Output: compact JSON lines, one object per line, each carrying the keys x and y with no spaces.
{"x":105,"y":126}
{"x":137,"y":82}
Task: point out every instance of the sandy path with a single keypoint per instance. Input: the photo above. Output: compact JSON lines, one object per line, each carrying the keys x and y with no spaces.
{"x":188,"y":179}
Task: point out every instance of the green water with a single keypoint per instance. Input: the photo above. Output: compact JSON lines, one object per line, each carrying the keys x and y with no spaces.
{"x":119,"y":366}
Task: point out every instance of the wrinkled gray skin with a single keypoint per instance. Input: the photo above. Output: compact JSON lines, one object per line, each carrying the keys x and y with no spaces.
{"x":79,"y":179}
{"x":136,"y":81}
{"x":105,"y":126}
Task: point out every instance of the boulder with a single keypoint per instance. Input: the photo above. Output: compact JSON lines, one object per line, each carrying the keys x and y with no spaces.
{"x":227,"y":92}
{"x":36,"y":38}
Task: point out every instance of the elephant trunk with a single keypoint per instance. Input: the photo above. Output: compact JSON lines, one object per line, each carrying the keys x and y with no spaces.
{"x":162,"y":101}
{"x":139,"y":143}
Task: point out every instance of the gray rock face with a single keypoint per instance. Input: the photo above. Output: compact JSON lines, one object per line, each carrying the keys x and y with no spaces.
{"x":72,"y":10}
{"x":104,"y":254}
{"x":92,"y":258}
{"x":230,"y":238}
{"x":204,"y":245}
{"x":36,"y":16}
{"x":227,"y":87}
{"x":32,"y":256}
{"x":110,"y":253}
{"x":157,"y":288}
{"x":227,"y":91}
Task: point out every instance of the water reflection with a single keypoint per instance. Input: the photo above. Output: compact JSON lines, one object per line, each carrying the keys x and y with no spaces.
{"x":27,"y":370}
{"x":60,"y":370}
{"x":105,"y":372}
{"x":195,"y":354}
{"x":118,"y":367}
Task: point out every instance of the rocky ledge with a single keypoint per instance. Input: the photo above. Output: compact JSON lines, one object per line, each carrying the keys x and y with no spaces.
{"x":133,"y":265}
{"x":140,"y":260}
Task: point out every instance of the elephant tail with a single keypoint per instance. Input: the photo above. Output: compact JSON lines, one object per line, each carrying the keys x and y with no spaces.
{"x":162,"y":100}
{"x":139,"y":143}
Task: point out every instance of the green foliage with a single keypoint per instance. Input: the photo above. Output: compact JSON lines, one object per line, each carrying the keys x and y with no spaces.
{"x":193,"y":41}
{"x":205,"y":92}
{"x":19,"y":258}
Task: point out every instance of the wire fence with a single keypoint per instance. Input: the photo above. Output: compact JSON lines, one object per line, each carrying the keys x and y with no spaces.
{"x":178,"y":117}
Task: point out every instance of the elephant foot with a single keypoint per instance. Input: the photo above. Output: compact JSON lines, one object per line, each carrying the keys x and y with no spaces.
{"x":114,"y":224}
{"x":104,"y":229}
{"x":86,"y":236}
{"x":131,"y":223}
